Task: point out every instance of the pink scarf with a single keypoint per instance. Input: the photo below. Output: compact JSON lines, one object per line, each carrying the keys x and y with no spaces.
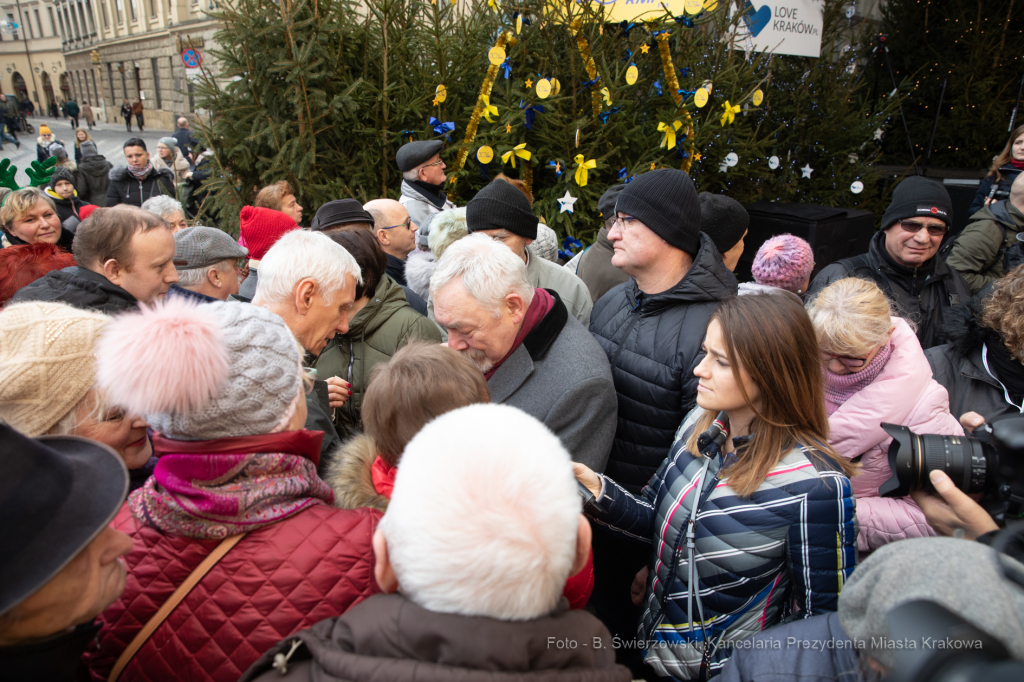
{"x":140,"y":172}
{"x":841,"y":387}
{"x":210,"y":490}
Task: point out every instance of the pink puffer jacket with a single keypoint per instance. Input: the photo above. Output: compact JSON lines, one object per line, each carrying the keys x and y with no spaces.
{"x":904,"y":393}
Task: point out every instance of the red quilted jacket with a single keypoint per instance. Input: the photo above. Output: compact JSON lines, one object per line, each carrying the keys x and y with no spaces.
{"x":274,"y":582}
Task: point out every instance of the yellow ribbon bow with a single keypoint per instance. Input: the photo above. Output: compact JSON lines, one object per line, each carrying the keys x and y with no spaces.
{"x":606,"y":94}
{"x":489,"y":109}
{"x":582,"y":168}
{"x":520,"y":151}
{"x":730,"y":113}
{"x":669,"y":141}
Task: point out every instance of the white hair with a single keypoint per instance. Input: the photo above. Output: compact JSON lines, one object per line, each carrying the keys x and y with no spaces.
{"x":195,"y":277}
{"x":162,"y":206}
{"x":490,"y":271}
{"x":300,"y":254}
{"x":412,"y":174}
{"x":480,"y":525}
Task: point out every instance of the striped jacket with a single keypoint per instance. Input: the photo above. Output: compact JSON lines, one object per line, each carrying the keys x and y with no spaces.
{"x":793,"y":543}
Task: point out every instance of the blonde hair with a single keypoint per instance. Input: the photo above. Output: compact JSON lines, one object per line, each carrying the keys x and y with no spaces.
{"x":92,"y":407}
{"x":850,"y":316}
{"x":19,"y":203}
{"x":78,"y":143}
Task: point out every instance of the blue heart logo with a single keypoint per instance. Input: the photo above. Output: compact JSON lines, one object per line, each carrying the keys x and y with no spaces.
{"x":756,"y":21}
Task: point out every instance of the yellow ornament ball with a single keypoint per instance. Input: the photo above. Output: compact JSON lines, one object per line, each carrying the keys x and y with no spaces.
{"x":543,"y":88}
{"x":700,"y":98}
{"x":556,"y":87}
{"x":632,"y":74}
{"x":484,"y":154}
{"x":441,"y":93}
{"x":496,"y":55}
{"x":693,"y":6}
{"x":757,"y":98}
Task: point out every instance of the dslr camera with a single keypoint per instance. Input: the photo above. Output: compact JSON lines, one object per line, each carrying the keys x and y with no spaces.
{"x":990,"y":464}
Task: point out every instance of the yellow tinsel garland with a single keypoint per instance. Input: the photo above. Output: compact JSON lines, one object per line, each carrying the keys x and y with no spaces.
{"x":504,"y":39}
{"x":584,"y":47}
{"x":673,"y":83}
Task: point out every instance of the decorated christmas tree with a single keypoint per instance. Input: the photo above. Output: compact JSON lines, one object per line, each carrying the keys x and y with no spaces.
{"x":323,"y":94}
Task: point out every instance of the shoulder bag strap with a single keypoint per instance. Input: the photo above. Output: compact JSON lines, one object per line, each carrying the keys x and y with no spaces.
{"x":179,"y":594}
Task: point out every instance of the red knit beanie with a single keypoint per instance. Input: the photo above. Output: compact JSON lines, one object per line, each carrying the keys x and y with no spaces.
{"x":262,"y":227}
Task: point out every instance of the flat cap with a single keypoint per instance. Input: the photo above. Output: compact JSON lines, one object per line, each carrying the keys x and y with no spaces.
{"x":340,"y":212}
{"x":413,"y":154}
{"x":200,"y":247}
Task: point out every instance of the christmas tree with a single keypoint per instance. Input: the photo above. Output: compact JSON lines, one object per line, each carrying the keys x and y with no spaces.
{"x":977,"y":49}
{"x":323,"y":93}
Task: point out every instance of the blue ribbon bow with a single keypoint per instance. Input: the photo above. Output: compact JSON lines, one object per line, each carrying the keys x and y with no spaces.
{"x":568,"y":244}
{"x":604,"y":115}
{"x":684,"y":20}
{"x":686,"y":93}
{"x":623,"y":176}
{"x":507,"y":68}
{"x":531,"y":114}
{"x":584,"y":86}
{"x":442,"y":128}
{"x":526,"y":19}
{"x":657,"y":86}
{"x":684,"y":72}
{"x":556,"y":167}
{"x":626,"y":27}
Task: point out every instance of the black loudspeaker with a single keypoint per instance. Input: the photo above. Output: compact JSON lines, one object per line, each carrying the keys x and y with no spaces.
{"x":833,"y":233}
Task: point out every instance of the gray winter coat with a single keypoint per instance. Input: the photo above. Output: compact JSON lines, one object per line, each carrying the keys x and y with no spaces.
{"x":560,"y":375}
{"x":419,"y":207}
{"x":778,"y":654}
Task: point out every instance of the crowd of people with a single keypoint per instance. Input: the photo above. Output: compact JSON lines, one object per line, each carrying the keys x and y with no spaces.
{"x":408,"y":442}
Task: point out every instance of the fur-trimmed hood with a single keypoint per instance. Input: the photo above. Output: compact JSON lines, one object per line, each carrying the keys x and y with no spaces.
{"x":419,"y":266}
{"x":348,"y":474}
{"x":122,"y":174}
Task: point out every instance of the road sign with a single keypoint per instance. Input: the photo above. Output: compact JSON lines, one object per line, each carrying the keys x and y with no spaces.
{"x":191,"y":58}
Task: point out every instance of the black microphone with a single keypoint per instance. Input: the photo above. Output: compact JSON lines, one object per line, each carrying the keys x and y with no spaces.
{"x":717,"y":433}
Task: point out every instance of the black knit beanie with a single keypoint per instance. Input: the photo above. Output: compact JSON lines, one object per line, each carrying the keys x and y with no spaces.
{"x":665,"y":201}
{"x":61,"y":173}
{"x":723,"y":219}
{"x":606,"y":204}
{"x":917,"y":196}
{"x":500,"y":206}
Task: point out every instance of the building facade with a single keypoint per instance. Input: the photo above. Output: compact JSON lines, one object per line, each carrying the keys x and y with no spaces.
{"x":132,"y":50}
{"x":32,"y":65}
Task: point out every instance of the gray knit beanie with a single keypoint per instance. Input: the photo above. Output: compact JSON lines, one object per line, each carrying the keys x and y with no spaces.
{"x":199,"y":372}
{"x":665,"y":200}
{"x":960,"y":575}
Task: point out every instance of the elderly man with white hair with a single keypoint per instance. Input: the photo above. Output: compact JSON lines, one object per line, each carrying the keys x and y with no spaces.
{"x":423,"y":181}
{"x":309,"y":281}
{"x":477,"y":542}
{"x":169,"y":209}
{"x":534,"y":354}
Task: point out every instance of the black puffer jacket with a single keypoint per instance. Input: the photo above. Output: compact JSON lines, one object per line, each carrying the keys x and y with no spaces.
{"x":959,"y":367}
{"x":126,"y":189}
{"x":80,"y":288}
{"x":923,"y":295}
{"x":653,"y":344}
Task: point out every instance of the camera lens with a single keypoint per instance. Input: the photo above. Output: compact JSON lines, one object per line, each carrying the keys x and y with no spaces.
{"x":912,"y":457}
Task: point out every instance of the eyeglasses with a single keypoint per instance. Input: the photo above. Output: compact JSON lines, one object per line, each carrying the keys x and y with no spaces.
{"x":407,"y":224}
{"x":624,"y":222}
{"x":428,"y":165}
{"x":933,"y":230}
{"x":848,"y":362}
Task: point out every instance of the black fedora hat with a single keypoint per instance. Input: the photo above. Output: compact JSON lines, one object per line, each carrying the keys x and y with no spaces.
{"x":56,"y":494}
{"x":340,"y":212}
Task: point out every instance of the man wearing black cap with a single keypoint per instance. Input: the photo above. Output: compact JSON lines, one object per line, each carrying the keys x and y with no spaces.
{"x":341,"y":213}
{"x":902,"y":259}
{"x":422,"y":181}
{"x":503,"y":213}
{"x":724,"y":220}
{"x":60,"y":561}
{"x":594,"y":264}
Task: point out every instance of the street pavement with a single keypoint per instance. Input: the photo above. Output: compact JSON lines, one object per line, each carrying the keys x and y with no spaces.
{"x":109,"y":138}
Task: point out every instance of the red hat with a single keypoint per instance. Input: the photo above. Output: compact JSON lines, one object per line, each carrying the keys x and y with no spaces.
{"x":86,"y":211}
{"x":262,"y":227}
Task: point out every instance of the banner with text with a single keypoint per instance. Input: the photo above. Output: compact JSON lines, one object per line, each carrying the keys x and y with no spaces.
{"x":782,"y":27}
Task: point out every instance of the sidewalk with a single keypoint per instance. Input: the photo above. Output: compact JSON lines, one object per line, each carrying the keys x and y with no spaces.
{"x":109,"y":139}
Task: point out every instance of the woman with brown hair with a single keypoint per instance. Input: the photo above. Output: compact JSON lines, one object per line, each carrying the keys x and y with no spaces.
{"x":752,"y":511}
{"x":381,"y":321}
{"x":1004,"y":170}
